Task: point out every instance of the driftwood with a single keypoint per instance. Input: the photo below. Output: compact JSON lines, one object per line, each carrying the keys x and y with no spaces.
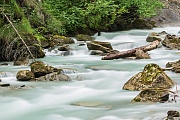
{"x":130,"y":53}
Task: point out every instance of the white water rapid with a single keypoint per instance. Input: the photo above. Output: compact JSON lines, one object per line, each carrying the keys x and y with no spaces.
{"x":96,"y":84}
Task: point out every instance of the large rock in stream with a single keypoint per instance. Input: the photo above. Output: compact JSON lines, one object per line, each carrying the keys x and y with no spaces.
{"x":105,"y":47}
{"x":175,"y":66}
{"x":151,"y":77}
{"x":40,"y":69}
{"x":171,"y":41}
{"x":25,"y":75}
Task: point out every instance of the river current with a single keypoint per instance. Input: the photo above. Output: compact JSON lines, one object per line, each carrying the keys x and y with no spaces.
{"x":95,"y":92}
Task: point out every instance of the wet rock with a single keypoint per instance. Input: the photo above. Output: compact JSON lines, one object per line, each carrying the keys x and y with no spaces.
{"x":153,"y":36}
{"x":172,"y":115}
{"x":25,"y":75}
{"x":151,"y":77}
{"x":175,"y":66}
{"x":140,"y":54}
{"x":40,"y":69}
{"x":4,"y":64}
{"x":4,"y":84}
{"x":97,"y":52}
{"x":152,"y":96}
{"x":64,"y":48}
{"x":55,"y":76}
{"x":83,"y":37}
{"x":102,"y":46}
{"x":171,"y":41}
{"x":57,"y":40}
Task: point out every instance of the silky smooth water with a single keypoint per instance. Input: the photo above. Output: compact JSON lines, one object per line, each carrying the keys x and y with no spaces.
{"x":96,"y":82}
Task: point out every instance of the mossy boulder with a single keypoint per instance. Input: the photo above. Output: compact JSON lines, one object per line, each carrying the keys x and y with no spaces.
{"x":25,"y":75}
{"x":40,"y":69}
{"x":57,"y":40}
{"x":83,"y":37}
{"x":171,"y":41}
{"x":152,"y":96}
{"x":151,"y":77}
{"x":102,"y":46}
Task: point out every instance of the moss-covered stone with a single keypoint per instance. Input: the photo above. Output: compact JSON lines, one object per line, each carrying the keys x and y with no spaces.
{"x":25,"y":75}
{"x":151,"y":77}
{"x":83,"y":37}
{"x":40,"y":69}
{"x":57,"y":40}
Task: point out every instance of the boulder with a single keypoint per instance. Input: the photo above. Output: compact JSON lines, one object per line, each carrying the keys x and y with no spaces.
{"x":152,"y":96}
{"x":151,"y":77}
{"x":83,"y":37}
{"x":140,"y":54}
{"x":102,"y":46}
{"x":153,"y":36}
{"x":57,"y":40}
{"x":171,"y":41}
{"x":55,"y":76}
{"x":40,"y":69}
{"x":175,"y":66}
{"x":24,"y":75}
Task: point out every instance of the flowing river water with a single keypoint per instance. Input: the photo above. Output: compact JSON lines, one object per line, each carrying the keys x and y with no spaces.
{"x":95,"y":92}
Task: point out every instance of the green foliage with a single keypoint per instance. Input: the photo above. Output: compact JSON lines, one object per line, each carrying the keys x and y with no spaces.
{"x":100,"y":14}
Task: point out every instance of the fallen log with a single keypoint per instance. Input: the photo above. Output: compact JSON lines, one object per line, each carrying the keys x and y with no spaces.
{"x":130,"y":53}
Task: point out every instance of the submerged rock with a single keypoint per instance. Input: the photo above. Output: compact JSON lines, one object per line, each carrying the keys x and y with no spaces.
{"x":171,"y":41}
{"x":155,"y":95}
{"x":25,"y":75}
{"x":87,"y":104}
{"x":151,"y":77}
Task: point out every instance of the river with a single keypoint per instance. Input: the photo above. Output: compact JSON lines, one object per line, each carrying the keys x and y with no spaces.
{"x":96,"y":84}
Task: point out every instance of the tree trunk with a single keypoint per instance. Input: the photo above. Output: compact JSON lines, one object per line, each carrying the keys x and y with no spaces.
{"x":130,"y":53}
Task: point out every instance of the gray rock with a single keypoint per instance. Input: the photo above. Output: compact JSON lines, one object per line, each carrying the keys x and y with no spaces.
{"x":153,"y":36}
{"x":172,"y":42}
{"x":55,"y":76}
